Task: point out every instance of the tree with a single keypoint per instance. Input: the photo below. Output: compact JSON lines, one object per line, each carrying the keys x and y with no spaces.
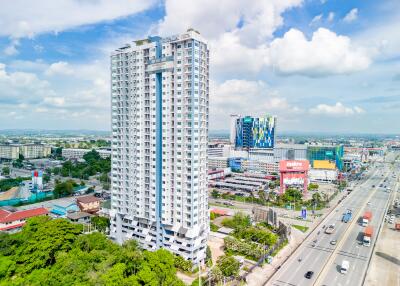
{"x":183,"y":264}
{"x":316,"y":198}
{"x":64,"y":189}
{"x":313,"y":186}
{"x":6,"y":171}
{"x":208,"y":256}
{"x":101,"y":223}
{"x":216,"y":275}
{"x":215,"y":194}
{"x":292,"y":195}
{"x":228,"y":266}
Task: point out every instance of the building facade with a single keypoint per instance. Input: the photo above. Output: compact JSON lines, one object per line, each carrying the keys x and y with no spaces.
{"x":290,"y":152}
{"x":9,"y":152}
{"x":333,"y":153}
{"x":34,"y":151}
{"x":254,"y":132}
{"x":77,"y":154}
{"x":160,"y":95}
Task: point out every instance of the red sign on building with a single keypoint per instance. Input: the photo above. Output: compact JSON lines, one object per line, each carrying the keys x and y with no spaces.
{"x":293,"y":173}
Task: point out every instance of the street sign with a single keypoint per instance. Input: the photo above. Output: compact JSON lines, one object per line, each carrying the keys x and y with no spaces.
{"x":304,"y":213}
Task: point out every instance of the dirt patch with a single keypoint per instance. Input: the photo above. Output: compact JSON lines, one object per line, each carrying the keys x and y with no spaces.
{"x":10,"y":194}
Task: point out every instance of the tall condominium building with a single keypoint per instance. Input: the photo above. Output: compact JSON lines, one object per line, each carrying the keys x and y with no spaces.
{"x":160,"y":94}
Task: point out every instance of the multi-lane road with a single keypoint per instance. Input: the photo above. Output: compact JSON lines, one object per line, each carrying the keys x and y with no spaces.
{"x":319,"y":254}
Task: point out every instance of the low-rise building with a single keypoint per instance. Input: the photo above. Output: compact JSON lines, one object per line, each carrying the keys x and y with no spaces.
{"x":34,"y":151}
{"x":9,"y":152}
{"x":79,"y":217}
{"x":89,"y":204}
{"x":13,"y":221}
{"x":77,"y":154}
{"x":217,"y":162}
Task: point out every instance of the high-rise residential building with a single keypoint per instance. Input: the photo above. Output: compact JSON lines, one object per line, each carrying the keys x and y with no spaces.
{"x":160,"y":95}
{"x":253,"y":132}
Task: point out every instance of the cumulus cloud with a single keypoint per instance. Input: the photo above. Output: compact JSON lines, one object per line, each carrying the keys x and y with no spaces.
{"x":325,"y":53}
{"x":59,"y":68}
{"x":238,"y":38}
{"x":18,"y":19}
{"x":246,"y":97}
{"x":336,"y":110}
{"x":351,"y":16}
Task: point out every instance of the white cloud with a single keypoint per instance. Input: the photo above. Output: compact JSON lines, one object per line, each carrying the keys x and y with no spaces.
{"x":21,"y":19}
{"x":238,"y":31}
{"x":331,"y":16}
{"x":59,"y":68}
{"x":316,"y":19}
{"x":11,"y":49}
{"x":335,"y":110}
{"x":245,"y":97}
{"x":54,"y":101}
{"x":325,"y":54}
{"x":351,"y":16}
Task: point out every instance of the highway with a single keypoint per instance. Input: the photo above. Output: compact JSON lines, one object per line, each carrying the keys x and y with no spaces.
{"x":322,"y":257}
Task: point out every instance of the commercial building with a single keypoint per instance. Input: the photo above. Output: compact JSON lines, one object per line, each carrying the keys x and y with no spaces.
{"x":77,"y":154}
{"x":253,"y":132}
{"x":293,"y":173}
{"x":88,"y":204}
{"x":34,"y":151}
{"x":217,"y":162}
{"x":160,"y":95}
{"x":9,"y":152}
{"x":290,"y":152}
{"x":332,"y":153}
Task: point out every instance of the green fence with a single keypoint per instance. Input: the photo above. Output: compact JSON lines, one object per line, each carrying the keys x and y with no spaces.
{"x":34,"y":198}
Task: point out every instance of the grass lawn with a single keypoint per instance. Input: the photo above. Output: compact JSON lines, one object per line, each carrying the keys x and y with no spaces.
{"x":300,"y":227}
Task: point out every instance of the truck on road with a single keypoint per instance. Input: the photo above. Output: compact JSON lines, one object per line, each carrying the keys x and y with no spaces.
{"x":368,"y":231}
{"x":366,"y":218}
{"x":330,"y":229}
{"x":347,"y":216}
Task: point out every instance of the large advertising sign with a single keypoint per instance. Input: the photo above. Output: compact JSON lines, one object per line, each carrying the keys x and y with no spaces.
{"x":294,"y":166}
{"x":293,"y":179}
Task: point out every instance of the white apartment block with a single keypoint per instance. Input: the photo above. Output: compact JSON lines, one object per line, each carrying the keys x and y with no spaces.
{"x":77,"y":154}
{"x":160,"y":95}
{"x":9,"y":152}
{"x":33,"y":151}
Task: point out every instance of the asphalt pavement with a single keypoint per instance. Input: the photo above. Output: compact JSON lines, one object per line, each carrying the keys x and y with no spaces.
{"x":317,"y":254}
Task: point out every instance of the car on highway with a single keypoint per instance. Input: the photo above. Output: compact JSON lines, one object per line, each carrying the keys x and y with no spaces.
{"x":368,"y":203}
{"x":309,"y":274}
{"x":333,"y":242}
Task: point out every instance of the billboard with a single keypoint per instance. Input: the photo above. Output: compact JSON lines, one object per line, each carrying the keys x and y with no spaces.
{"x":294,"y":165}
{"x":294,"y":179}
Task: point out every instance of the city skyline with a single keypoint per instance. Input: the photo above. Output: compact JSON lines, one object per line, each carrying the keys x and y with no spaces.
{"x":343,"y":68}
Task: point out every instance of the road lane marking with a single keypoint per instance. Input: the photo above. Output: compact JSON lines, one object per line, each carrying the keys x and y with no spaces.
{"x":322,"y":274}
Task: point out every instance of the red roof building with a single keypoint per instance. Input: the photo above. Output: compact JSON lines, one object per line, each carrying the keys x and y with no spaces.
{"x":89,"y":204}
{"x":14,"y":220}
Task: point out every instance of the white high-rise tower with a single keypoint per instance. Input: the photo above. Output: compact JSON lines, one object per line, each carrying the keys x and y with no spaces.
{"x":160,"y":93}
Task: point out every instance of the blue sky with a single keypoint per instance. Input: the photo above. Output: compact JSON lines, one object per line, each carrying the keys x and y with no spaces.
{"x":319,"y":65}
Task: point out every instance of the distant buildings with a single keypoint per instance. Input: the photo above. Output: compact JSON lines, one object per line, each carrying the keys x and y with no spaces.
{"x":29,"y":151}
{"x":77,"y":154}
{"x":88,"y":204}
{"x":160,"y":95}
